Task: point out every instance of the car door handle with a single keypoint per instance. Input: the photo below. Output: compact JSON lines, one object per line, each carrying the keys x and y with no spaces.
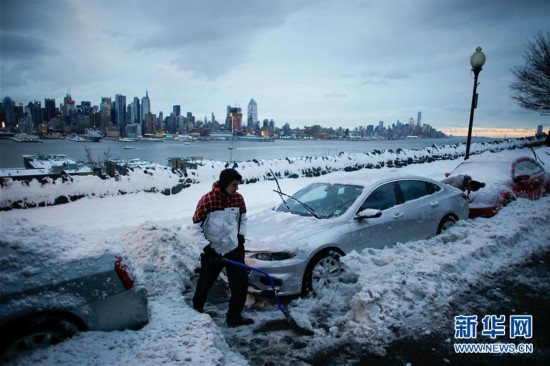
{"x":434,"y":204}
{"x":398,"y":215}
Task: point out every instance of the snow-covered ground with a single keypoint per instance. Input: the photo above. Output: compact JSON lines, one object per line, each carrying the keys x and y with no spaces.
{"x":394,"y":292}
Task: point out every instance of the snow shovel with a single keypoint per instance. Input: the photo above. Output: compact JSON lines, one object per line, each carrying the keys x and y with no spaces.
{"x":270,"y":325}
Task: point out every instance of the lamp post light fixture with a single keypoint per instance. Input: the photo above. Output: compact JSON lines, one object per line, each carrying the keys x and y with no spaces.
{"x":477,"y":60}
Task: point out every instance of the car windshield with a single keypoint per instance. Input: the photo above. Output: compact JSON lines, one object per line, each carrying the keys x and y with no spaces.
{"x":326,"y":200}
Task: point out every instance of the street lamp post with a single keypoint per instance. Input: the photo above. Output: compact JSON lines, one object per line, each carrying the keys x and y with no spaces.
{"x":477,"y":60}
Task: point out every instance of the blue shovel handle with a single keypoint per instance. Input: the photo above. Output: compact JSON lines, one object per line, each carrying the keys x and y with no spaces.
{"x":247,"y":267}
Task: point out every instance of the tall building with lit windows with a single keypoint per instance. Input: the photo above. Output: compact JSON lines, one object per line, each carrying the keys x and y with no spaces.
{"x":236,"y":118}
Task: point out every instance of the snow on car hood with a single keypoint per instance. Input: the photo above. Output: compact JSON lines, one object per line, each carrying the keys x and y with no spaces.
{"x":270,"y":230}
{"x":496,"y":174}
{"x":490,"y":194}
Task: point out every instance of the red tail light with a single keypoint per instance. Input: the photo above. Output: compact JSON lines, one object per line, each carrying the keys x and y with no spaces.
{"x":122,"y":272}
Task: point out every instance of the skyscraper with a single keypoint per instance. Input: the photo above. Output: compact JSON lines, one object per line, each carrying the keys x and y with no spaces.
{"x":105,"y":111}
{"x":9,"y":112}
{"x":136,"y":111}
{"x":36,"y":113}
{"x":419,"y":119}
{"x":252,"y":114}
{"x":120,"y":112}
{"x":66,"y":110}
{"x":177,"y":110}
{"x":49,"y":109}
{"x":236,"y":119}
{"x":149,"y":123}
{"x":145,"y":106}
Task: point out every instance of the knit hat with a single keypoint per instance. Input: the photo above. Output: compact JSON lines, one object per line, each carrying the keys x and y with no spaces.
{"x":227,"y":176}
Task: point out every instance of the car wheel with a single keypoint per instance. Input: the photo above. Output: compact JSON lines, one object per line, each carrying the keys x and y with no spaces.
{"x":445,"y":223}
{"x":36,"y":333}
{"x":323,"y":270}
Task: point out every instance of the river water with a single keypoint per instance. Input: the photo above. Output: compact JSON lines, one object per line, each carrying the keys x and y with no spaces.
{"x":158,"y":152}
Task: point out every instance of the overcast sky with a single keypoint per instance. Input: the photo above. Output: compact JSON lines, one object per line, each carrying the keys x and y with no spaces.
{"x":335,"y":63}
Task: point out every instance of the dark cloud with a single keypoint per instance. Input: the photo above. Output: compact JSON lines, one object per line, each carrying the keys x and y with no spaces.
{"x":210,"y":38}
{"x":38,"y":17}
{"x":23,"y":47}
{"x":105,"y":46}
{"x":183,"y":23}
{"x":488,"y":13}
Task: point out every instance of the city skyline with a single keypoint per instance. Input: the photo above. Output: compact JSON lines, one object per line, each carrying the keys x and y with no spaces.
{"x":334,"y":64}
{"x":131,"y":113}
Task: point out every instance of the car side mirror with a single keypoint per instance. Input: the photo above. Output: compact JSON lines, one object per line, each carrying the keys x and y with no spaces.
{"x":368,"y":213}
{"x":522,"y":177}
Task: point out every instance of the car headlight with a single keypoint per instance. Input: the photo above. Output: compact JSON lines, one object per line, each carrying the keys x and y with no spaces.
{"x":272,"y":256}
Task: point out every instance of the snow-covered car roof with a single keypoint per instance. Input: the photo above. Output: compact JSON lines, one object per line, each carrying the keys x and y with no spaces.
{"x":371,"y":177}
{"x":485,"y":171}
{"x":490,"y":168}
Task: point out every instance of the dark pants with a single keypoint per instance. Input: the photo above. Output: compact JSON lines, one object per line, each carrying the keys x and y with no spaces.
{"x":237,"y":277}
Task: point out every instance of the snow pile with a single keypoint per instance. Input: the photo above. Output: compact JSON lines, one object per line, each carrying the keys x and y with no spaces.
{"x":176,"y":334}
{"x":407,"y":288}
{"x":48,"y":191}
{"x":168,"y":256}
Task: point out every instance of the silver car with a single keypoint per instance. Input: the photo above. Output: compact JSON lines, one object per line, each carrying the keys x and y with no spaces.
{"x":45,"y":298}
{"x":300,"y":241}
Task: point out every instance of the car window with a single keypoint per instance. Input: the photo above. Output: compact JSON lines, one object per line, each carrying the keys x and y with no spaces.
{"x":527,"y":167}
{"x":432,"y":188}
{"x":381,"y":198}
{"x":326,"y":200}
{"x":413,"y":189}
{"x":316,"y":192}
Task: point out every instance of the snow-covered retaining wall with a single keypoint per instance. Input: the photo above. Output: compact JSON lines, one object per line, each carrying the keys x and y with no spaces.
{"x":313,"y":166}
{"x":34,"y":193}
{"x":48,"y":191}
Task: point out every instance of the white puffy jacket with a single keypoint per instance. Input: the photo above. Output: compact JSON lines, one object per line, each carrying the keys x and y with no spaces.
{"x":220,"y":229}
{"x":218,"y":219}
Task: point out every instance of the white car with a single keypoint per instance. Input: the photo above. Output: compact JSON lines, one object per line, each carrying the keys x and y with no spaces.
{"x":300,"y":241}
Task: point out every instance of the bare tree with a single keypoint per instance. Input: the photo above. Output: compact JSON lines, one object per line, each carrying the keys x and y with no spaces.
{"x":531,"y":85}
{"x":89,"y":157}
{"x":99,"y":161}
